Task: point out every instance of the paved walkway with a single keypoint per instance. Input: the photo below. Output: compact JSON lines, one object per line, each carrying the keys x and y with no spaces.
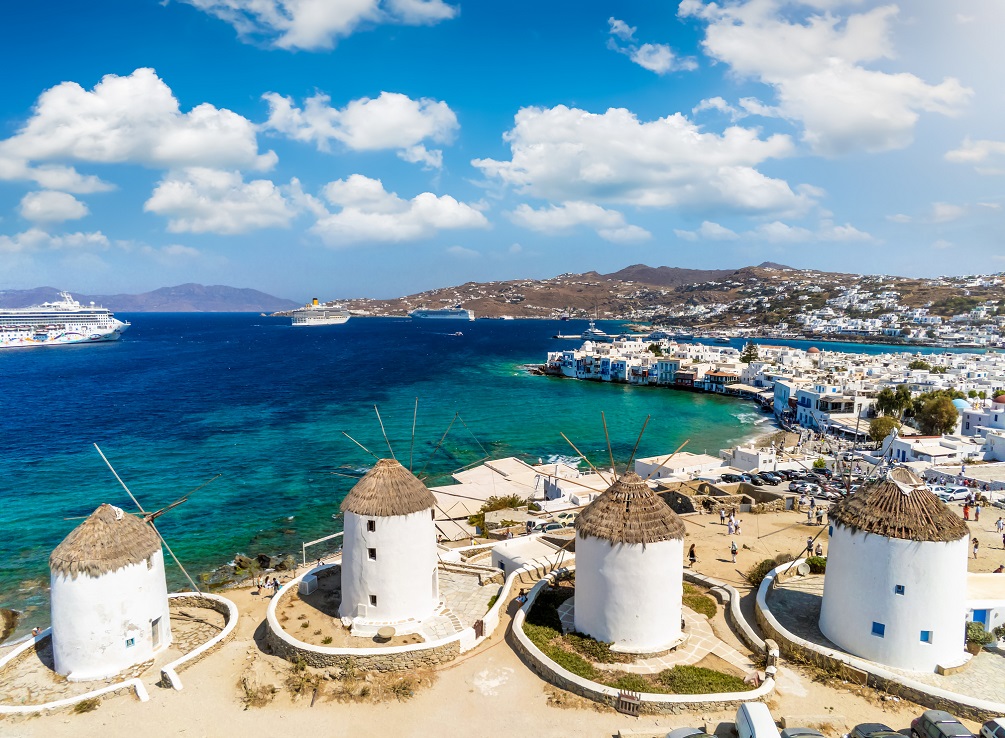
{"x":795,"y":603}
{"x":700,"y":643}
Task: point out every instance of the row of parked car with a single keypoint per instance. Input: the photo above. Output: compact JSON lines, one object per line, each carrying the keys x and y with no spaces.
{"x":753,"y":720}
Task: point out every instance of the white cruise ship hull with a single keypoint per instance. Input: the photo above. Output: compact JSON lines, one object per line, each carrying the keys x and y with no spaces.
{"x":62,"y":323}
{"x":442,"y":315}
{"x":320,"y":320}
{"x":60,"y":336}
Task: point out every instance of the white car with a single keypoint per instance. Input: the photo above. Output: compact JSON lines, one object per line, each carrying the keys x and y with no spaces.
{"x":950,"y":494}
{"x":993,"y":728}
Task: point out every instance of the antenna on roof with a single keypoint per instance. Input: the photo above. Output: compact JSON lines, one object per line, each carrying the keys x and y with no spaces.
{"x":361,"y":445}
{"x":149,"y":517}
{"x":384,"y":433}
{"x":632,"y":457}
{"x":614,"y":471}
{"x":411,"y":447}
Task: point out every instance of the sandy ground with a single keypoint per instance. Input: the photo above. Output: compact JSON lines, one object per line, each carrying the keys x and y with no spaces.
{"x":489,"y":692}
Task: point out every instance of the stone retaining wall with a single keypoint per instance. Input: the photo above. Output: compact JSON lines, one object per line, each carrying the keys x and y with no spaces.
{"x":650,"y":703}
{"x":169,"y":673}
{"x":861,"y":671}
{"x":401,"y":661}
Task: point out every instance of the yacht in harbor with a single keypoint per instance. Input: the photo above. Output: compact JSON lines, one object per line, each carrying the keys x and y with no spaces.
{"x":454,"y":313}
{"x":314,"y":313}
{"x":58,"y":323}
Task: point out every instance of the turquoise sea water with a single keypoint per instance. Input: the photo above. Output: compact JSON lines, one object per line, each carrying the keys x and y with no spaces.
{"x":184,"y":397}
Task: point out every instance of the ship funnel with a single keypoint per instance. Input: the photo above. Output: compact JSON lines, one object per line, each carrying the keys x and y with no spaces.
{"x":315,"y":301}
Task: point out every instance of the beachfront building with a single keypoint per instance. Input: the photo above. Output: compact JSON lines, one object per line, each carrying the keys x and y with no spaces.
{"x":108,"y":596}
{"x":895,"y":591}
{"x":389,"y":562}
{"x":629,"y":569}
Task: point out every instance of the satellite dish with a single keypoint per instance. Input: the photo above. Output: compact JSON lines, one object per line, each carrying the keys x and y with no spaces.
{"x":803,"y":569}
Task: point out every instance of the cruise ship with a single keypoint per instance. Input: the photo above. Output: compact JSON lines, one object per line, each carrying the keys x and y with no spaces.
{"x":454,"y":313}
{"x":315,"y":314}
{"x":59,"y":323}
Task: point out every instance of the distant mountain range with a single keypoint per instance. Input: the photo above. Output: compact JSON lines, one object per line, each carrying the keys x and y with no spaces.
{"x":185,"y":298}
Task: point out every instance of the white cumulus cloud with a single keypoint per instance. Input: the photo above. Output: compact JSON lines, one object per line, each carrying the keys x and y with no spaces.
{"x":35,"y":239}
{"x":816,"y":63}
{"x":389,"y":121}
{"x":555,"y":219}
{"x":776,"y":232}
{"x":318,"y":24}
{"x":51,"y":207}
{"x":565,"y":154}
{"x":977,"y":152}
{"x":201,"y":200}
{"x":368,"y":212}
{"x":131,"y":119}
{"x":658,"y":58}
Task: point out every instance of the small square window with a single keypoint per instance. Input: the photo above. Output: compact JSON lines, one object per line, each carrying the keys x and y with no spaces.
{"x":926,"y":636}
{"x":372,"y":553}
{"x":373,"y":600}
{"x":130,"y":642}
{"x":371,"y":526}
{"x":898,"y":589}
{"x":878,"y":629}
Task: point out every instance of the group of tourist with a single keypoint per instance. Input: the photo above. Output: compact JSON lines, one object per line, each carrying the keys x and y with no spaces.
{"x":265,"y":583}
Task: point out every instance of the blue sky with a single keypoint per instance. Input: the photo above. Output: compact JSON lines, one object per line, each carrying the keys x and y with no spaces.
{"x":347,"y":148}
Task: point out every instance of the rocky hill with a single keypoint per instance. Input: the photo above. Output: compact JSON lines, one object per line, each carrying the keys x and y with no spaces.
{"x":184,"y":298}
{"x":768,"y":293}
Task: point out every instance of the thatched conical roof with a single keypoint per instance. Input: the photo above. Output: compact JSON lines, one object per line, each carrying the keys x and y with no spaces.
{"x":108,"y":540}
{"x":386,"y":490}
{"x":629,"y":512}
{"x":899,"y":506}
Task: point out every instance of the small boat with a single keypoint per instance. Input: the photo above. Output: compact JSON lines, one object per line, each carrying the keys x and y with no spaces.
{"x":458,"y":333}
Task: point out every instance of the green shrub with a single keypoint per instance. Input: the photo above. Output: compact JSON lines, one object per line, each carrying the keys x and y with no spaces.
{"x":572,"y":662}
{"x":597,"y":651}
{"x":88,"y":705}
{"x":492,"y":600}
{"x":540,"y":635}
{"x":999,"y":632}
{"x":685,"y":679}
{"x":977,"y":634}
{"x":635,"y":683}
{"x":819,"y":464}
{"x":817,"y":564}
{"x":698,"y":601}
{"x":755,"y":575}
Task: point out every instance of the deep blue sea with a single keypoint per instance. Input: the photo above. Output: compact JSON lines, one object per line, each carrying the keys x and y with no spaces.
{"x":184,"y":397}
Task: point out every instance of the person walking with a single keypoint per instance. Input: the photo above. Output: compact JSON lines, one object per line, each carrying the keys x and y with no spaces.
{"x":738,"y":526}
{"x":976,"y":546}
{"x":809,"y":546}
{"x":999,"y":525}
{"x":977,"y":512}
{"x":966,"y":511}
{"x":722,"y":516}
{"x":692,"y":557}
{"x":732,"y":550}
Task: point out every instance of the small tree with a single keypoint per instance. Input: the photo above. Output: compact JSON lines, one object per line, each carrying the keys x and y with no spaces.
{"x":972,"y":394}
{"x":881,"y":427}
{"x":936,"y":416}
{"x":903,"y":398}
{"x":819,"y":464}
{"x":886,"y":402}
{"x":749,"y":353}
{"x":655,"y":350}
{"x":920,"y":364}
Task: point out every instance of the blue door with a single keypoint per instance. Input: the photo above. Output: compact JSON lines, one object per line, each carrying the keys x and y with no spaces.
{"x":981,"y":616}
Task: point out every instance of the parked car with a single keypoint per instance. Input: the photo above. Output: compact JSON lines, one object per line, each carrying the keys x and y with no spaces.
{"x":766,"y":479}
{"x":688,"y":733}
{"x":801,"y":733}
{"x":950,"y":494}
{"x":993,"y":728}
{"x":873,"y":730}
{"x":731,"y":478}
{"x":772,"y":477}
{"x":566,"y":518}
{"x":938,"y":724}
{"x":826,"y":494}
{"x":753,"y":720}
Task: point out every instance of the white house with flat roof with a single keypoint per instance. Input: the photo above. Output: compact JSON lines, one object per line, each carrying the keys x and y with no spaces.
{"x":682,"y":465}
